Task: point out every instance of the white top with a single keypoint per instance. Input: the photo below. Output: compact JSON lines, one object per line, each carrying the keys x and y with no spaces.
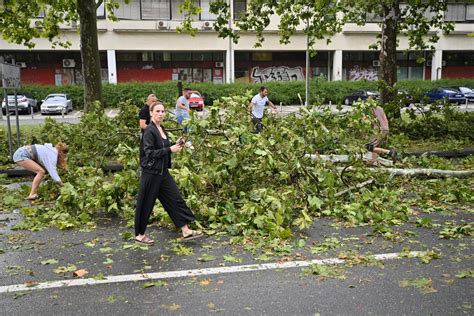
{"x":259,"y":105}
{"x":48,"y":158}
{"x":179,"y":111}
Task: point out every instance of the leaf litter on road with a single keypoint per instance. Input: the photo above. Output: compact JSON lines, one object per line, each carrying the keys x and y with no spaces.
{"x":424,"y":285}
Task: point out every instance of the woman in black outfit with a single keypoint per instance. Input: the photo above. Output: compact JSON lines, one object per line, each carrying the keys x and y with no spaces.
{"x":156,"y":181}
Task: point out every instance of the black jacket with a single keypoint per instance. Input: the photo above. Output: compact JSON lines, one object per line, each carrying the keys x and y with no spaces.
{"x":157,"y":157}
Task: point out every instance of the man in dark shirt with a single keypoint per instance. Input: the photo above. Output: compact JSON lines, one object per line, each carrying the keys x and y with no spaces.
{"x":144,"y":114}
{"x":144,"y":118}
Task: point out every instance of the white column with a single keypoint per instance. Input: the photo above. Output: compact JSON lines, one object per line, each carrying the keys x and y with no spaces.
{"x":112,"y":66}
{"x":229,"y":64}
{"x":337,"y":65}
{"x":229,"y":56}
{"x":436,"y":65}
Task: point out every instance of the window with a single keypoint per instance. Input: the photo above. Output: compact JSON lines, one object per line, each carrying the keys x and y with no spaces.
{"x":181,"y":56}
{"x":240,"y":7}
{"x":155,"y":9}
{"x":148,"y":56}
{"x":372,"y":17}
{"x":261,"y":56}
{"x":130,"y":10}
{"x":455,"y":13}
{"x":101,"y":11}
{"x":126,"y":56}
{"x":206,"y":15}
{"x":470,"y":12}
{"x":174,"y":10}
{"x":202,"y":56}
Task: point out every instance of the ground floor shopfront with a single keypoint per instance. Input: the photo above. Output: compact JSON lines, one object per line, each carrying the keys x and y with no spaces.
{"x":64,"y":67}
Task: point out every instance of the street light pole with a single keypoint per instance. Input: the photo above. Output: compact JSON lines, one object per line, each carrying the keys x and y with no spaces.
{"x":307,"y":73}
{"x":307,"y":65}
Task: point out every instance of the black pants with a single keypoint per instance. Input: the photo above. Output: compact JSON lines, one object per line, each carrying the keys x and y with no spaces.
{"x":165,"y":189}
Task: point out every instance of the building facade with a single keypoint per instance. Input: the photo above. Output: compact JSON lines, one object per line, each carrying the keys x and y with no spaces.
{"x":145,"y":46}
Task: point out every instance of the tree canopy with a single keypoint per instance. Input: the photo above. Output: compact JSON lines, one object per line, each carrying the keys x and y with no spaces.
{"x":419,"y":21}
{"x":23,"y":21}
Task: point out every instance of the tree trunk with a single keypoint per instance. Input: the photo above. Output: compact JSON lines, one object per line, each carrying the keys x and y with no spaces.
{"x":388,"y":54}
{"x":89,"y":52}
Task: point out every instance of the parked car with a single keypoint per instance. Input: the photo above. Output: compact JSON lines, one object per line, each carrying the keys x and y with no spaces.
{"x":196,"y":102}
{"x":449,"y":94}
{"x":56,"y":103}
{"x":362,"y":95}
{"x":26,"y":103}
{"x":468,"y":93}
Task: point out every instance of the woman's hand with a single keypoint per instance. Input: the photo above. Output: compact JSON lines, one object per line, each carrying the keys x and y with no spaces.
{"x":176,"y":148}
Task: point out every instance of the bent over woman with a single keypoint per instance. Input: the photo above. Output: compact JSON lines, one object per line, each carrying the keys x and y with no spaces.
{"x":157,"y":182}
{"x":39,"y":159}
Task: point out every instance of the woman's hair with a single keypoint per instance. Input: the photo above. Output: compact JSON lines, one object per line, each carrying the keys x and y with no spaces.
{"x":155,"y":104}
{"x":62,"y":149}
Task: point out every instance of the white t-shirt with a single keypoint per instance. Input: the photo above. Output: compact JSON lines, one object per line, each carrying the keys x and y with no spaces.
{"x":179,"y":111}
{"x":48,"y":158}
{"x":259,"y":105}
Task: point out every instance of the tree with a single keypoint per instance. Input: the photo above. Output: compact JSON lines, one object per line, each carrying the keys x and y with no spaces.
{"x":16,"y":26}
{"x":324,"y":18}
{"x":318,"y":19}
{"x":414,"y":19}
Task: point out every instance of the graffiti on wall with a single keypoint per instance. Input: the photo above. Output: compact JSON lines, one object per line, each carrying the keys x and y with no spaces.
{"x":358,"y":73}
{"x":281,"y":73}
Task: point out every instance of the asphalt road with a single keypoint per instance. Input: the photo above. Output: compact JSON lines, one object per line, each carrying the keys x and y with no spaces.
{"x":357,"y":289}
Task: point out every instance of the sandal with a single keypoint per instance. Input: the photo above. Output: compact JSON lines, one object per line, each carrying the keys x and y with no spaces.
{"x":195,"y":234}
{"x":393,"y":154}
{"x":145,"y":240}
{"x":33,"y":198}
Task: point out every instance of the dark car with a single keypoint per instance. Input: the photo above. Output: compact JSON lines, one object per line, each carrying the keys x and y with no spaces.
{"x":468,"y":93}
{"x":26,"y":103}
{"x":449,"y":94}
{"x":362,"y":95}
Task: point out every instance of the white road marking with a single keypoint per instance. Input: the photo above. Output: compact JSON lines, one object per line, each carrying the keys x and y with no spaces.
{"x":194,"y":272}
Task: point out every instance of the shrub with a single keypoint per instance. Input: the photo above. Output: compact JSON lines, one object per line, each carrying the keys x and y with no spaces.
{"x":280,"y":92}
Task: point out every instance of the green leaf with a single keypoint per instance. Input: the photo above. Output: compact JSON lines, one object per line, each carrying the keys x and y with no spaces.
{"x":229,"y":258}
{"x":106,"y":249}
{"x":206,"y":258}
{"x":127,"y":235}
{"x":155,"y":284}
{"x":49,"y":261}
{"x":315,"y":203}
{"x":69,"y":268}
{"x":465,"y":274}
{"x":108,"y":261}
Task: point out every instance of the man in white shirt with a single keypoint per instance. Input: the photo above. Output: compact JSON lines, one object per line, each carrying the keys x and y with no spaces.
{"x":257,"y":108}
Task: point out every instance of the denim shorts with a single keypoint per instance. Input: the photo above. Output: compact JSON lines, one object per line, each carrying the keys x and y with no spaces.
{"x":21,"y":154}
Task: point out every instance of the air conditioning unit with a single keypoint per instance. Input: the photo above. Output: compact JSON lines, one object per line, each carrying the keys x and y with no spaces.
{"x":207,"y":25}
{"x":69,"y":63}
{"x":219,"y":64}
{"x":21,"y":64}
{"x":428,"y":63}
{"x":162,"y":25}
{"x":376,"y":63}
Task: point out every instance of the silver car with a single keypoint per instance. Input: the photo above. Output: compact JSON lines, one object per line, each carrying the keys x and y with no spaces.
{"x":56,"y":103}
{"x":26,"y":103}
